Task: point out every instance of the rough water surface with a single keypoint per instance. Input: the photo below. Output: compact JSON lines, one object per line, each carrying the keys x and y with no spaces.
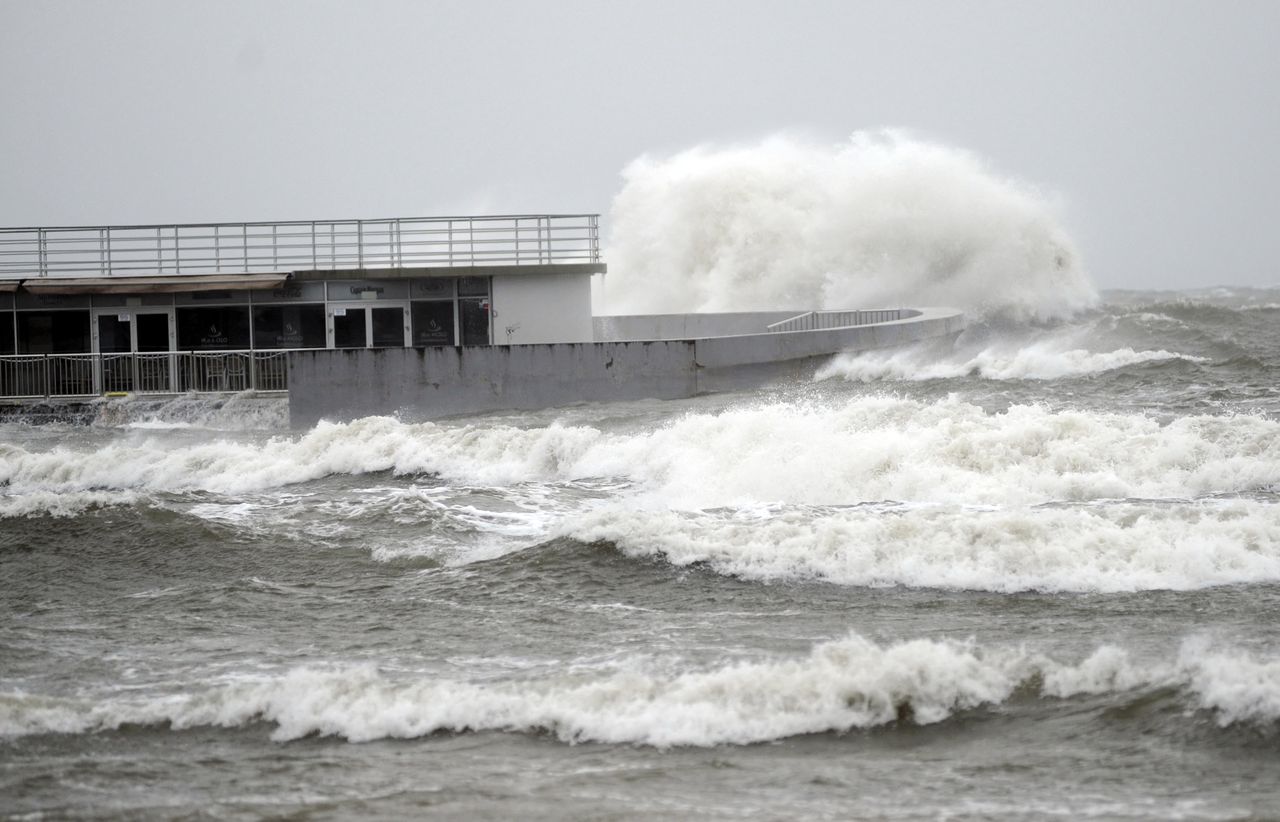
{"x":1031,"y":574}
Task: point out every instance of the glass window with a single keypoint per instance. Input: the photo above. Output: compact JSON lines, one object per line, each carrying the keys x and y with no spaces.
{"x":213,"y":329}
{"x":368,"y":289}
{"x":387,"y":327}
{"x":475,"y":321}
{"x":6,"y":332}
{"x":432,"y":323}
{"x":208,"y":297}
{"x":53,"y":332}
{"x":291,"y":292}
{"x":288,"y":326}
{"x":435,"y":288}
{"x":473,"y":287}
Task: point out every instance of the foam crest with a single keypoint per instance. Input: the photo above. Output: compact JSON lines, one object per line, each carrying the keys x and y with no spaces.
{"x":1235,"y":685}
{"x":1046,"y":360}
{"x":1103,"y":548}
{"x":880,"y":220}
{"x":61,"y":504}
{"x":884,"y":448}
{"x":488,"y":455}
{"x":865,"y":450}
{"x":838,"y":686}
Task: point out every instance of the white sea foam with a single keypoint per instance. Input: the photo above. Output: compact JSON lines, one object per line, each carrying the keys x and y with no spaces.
{"x":1025,"y":499}
{"x":1007,"y":352}
{"x":61,"y":504}
{"x":1097,"y":548}
{"x":881,"y":220}
{"x":1032,"y":361}
{"x":865,"y":450}
{"x":840,"y":685}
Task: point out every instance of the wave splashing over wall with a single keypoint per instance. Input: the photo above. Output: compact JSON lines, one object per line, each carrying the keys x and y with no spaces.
{"x":883,"y":219}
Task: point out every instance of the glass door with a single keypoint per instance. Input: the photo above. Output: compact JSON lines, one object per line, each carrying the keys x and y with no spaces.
{"x":135,"y":347}
{"x":152,"y":341}
{"x":350,"y":327}
{"x":113,"y":340}
{"x":368,"y":326}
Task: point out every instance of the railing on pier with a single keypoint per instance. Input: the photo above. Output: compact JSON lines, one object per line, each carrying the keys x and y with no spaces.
{"x":821,"y":320}
{"x":317,"y":245}
{"x":48,"y":376}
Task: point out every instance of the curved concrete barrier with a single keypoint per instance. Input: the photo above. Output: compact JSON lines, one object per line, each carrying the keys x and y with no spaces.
{"x":424,"y":383}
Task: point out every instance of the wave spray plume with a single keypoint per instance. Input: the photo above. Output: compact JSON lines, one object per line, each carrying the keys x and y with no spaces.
{"x":880,"y":220}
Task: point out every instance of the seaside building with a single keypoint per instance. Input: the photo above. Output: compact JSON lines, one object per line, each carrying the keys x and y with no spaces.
{"x":88,"y":311}
{"x":422,"y":317}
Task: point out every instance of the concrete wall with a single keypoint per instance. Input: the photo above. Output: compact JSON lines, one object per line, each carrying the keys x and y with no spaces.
{"x":541,"y":308}
{"x":424,"y":383}
{"x":726,"y":363}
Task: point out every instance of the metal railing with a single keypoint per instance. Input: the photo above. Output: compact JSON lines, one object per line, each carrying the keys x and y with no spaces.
{"x":822,"y":320}
{"x":317,"y":245}
{"x":47,"y":376}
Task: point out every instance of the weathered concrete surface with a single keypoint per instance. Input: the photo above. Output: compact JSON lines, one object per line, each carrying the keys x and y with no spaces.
{"x":728,"y":363}
{"x":435,"y":382}
{"x":422,"y":383}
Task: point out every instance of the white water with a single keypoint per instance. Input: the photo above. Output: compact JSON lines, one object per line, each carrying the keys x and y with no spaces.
{"x":871,"y":491}
{"x":1108,"y":548}
{"x":1048,"y":357}
{"x":866,"y":449}
{"x":881,"y":220}
{"x":838,"y":686}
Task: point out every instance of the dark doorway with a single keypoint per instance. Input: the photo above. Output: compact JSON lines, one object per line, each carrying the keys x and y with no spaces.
{"x":349,"y":328}
{"x":475,"y":321}
{"x":388,"y":327}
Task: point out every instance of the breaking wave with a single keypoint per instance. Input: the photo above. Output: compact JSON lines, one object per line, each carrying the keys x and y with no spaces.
{"x":881,"y":220}
{"x":839,"y":686}
{"x":1046,"y":359}
{"x":866,"y":449}
{"x":1111,"y":548}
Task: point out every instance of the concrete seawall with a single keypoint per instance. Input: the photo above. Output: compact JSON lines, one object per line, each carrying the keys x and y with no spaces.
{"x":424,"y":383}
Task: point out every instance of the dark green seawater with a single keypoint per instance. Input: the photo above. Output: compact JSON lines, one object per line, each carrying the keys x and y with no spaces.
{"x":1034,"y":574}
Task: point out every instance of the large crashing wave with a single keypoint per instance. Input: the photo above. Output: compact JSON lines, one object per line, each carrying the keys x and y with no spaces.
{"x":881,"y":220}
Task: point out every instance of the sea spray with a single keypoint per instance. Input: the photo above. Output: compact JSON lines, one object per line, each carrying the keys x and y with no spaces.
{"x":1001,"y":353}
{"x":883,"y":219}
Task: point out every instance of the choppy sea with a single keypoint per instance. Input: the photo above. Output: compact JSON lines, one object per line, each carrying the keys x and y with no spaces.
{"x":1034,"y":573}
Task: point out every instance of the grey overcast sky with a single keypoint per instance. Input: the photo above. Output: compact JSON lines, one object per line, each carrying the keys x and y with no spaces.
{"x":1156,"y":123}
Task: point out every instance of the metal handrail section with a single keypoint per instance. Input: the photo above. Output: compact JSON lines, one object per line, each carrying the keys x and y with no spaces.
{"x":72,"y":376}
{"x":315,"y":245}
{"x":823,"y":320}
